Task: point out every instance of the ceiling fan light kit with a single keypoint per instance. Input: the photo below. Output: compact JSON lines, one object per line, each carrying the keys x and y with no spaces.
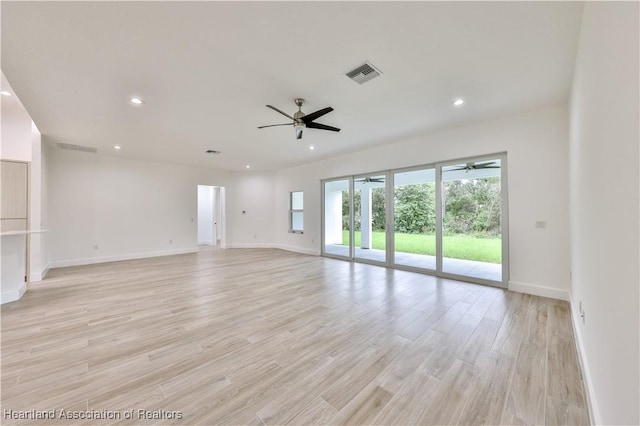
{"x":302,"y":120}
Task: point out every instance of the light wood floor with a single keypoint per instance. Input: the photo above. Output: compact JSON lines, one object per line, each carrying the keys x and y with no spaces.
{"x":260,"y":336}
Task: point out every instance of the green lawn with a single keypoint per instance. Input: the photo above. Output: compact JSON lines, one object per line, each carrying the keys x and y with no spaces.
{"x":455,"y":246}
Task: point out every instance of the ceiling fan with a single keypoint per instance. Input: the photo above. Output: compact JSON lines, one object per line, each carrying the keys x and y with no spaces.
{"x":302,"y":120}
{"x":475,"y":166}
{"x":370,"y":180}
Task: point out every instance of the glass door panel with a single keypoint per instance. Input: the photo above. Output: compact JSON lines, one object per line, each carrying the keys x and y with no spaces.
{"x":414,"y":214}
{"x":337,"y":218}
{"x":471,"y":219}
{"x":369,"y":224}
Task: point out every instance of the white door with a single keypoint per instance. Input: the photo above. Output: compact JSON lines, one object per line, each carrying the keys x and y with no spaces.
{"x":206,"y":228}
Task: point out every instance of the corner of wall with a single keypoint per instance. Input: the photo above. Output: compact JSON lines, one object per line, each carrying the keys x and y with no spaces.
{"x":587,"y":381}
{"x":13,"y":295}
{"x":538,"y":290}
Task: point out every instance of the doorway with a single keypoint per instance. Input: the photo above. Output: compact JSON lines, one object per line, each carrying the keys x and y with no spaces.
{"x":210,"y":215}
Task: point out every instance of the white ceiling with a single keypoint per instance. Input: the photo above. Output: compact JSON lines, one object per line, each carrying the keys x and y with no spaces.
{"x":207,"y":69}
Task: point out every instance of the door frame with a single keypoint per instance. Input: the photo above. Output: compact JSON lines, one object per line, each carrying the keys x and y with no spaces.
{"x":504,"y":219}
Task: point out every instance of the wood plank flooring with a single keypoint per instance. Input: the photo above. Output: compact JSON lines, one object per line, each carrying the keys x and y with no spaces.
{"x":268,"y":337}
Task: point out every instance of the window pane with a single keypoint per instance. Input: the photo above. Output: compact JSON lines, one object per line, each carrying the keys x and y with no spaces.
{"x":414,"y":211}
{"x":297,"y":200}
{"x":471,"y":221}
{"x":337,"y":236}
{"x":297,"y":221}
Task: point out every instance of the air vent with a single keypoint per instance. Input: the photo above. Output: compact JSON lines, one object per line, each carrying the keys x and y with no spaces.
{"x":364,"y":73}
{"x":77,"y":147}
{"x":212,"y":151}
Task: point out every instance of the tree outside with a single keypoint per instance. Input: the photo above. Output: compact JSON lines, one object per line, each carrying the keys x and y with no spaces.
{"x":471,"y":222}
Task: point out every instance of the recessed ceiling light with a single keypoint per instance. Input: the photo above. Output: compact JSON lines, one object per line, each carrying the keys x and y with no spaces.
{"x":5,"y":93}
{"x":248,"y":166}
{"x":311,"y":147}
{"x":136,"y":101}
{"x":117,"y":147}
{"x":458,"y":102}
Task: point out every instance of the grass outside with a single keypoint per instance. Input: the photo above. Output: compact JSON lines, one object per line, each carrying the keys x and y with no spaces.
{"x":454,"y":246}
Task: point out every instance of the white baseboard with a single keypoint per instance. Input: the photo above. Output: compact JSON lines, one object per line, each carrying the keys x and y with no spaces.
{"x":594,"y":413}
{"x":132,"y":256}
{"x":537,"y":290}
{"x":276,"y":246}
{"x":297,"y":249}
{"x":13,"y":295}
{"x":250,"y":245}
{"x":206,"y":243}
{"x":38,"y":276}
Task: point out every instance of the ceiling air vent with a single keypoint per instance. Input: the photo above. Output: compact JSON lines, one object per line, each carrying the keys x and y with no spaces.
{"x":364,"y":73}
{"x":77,"y":147}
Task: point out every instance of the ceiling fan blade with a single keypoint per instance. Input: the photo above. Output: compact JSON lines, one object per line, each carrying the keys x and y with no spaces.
{"x":281,"y":112}
{"x":483,"y":165}
{"x":314,"y":115}
{"x":370,"y":180}
{"x":322,"y":127}
{"x":298,"y":133}
{"x":274,"y":125}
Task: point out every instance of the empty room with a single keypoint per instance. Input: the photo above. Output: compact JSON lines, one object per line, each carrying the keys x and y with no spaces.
{"x":266,"y":213}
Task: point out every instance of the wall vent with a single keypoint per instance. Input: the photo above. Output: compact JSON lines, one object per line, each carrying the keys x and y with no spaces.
{"x":77,"y":147}
{"x":364,"y":73}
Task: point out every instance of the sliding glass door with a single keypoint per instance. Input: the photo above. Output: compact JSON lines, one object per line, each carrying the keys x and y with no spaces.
{"x":472,"y":219}
{"x":447,"y":219}
{"x":369,"y":217}
{"x":337,"y":218}
{"x":414,"y":218}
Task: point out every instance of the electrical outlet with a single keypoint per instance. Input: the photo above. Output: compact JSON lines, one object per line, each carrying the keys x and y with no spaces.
{"x":170,"y":241}
{"x":95,"y":247}
{"x":541,"y":224}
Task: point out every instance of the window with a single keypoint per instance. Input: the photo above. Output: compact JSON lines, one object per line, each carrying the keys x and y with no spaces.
{"x":296,"y":216}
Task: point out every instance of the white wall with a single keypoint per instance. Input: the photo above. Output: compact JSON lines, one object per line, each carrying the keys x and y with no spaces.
{"x":37,"y":243}
{"x":604,"y":208}
{"x":537,"y":147}
{"x":205,"y":215}
{"x":126,"y":208}
{"x":44,"y":203}
{"x":253,"y":193}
